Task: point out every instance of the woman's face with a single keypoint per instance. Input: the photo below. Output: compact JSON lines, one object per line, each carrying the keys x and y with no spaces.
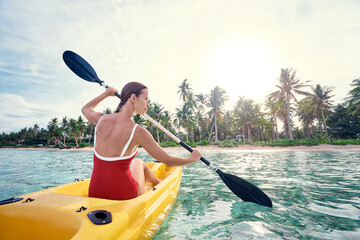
{"x":141,"y":103}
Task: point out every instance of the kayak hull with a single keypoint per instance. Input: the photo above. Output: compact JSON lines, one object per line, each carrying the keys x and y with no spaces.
{"x":62,"y":212}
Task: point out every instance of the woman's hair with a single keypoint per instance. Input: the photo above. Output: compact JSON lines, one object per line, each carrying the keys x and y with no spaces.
{"x":129,"y":89}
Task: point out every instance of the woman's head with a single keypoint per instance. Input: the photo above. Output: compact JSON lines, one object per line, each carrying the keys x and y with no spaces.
{"x":128,"y":90}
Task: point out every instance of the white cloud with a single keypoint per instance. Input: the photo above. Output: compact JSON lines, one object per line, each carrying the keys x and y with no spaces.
{"x":16,"y":112}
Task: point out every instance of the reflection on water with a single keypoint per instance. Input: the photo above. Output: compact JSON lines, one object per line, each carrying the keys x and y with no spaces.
{"x":315,"y":195}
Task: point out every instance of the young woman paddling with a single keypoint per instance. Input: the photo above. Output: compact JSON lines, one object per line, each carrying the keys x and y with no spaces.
{"x":117,"y":173}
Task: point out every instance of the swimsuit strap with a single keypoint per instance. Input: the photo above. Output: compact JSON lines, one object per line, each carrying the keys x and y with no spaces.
{"x":128,"y":142}
{"x":96,"y":128}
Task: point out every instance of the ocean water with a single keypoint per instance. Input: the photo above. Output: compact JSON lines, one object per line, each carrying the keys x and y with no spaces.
{"x":315,"y":195}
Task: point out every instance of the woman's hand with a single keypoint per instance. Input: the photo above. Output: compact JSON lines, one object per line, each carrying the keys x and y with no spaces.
{"x":110,"y":92}
{"x":88,"y":109}
{"x":195,"y":156}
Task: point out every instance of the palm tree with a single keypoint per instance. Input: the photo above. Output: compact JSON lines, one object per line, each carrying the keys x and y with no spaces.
{"x":166,"y":121}
{"x":36,"y":129}
{"x":185,"y":91}
{"x":306,"y":114}
{"x":354,"y":98}
{"x":89,"y":130}
{"x":289,"y":85}
{"x":200,"y":101}
{"x":53,"y":130}
{"x":108,"y":111}
{"x":247,"y":112}
{"x":185,"y":117}
{"x":217,"y":98}
{"x":74,"y":130}
{"x":200,"y":123}
{"x":81,"y":127}
{"x":65,"y":128}
{"x":273,"y":108}
{"x":139,"y":120}
{"x":323,"y":102}
{"x":157,"y":112}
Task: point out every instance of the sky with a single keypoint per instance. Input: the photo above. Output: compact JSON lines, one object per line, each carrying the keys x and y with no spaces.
{"x":238,"y":45}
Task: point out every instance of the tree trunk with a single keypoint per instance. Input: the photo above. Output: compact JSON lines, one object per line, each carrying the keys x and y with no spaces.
{"x":212,"y":127}
{"x":313,"y":131}
{"x":244,"y":133}
{"x":249,"y":133}
{"x":320,"y":127}
{"x":276,"y":130}
{"x":273,"y":128}
{"x":288,"y":117}
{"x":157,"y":134}
{"x":216,"y":137}
{"x":324,"y":122}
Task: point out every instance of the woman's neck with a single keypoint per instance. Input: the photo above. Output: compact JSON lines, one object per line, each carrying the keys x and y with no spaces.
{"x":127,"y":111}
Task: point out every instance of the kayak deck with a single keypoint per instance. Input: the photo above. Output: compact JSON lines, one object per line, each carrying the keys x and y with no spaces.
{"x":62,"y":212}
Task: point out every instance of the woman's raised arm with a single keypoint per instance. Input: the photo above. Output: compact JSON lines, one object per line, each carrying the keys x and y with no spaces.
{"x":88,"y":109}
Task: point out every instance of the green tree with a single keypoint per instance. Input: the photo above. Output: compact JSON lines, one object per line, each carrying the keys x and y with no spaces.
{"x":74,"y":130}
{"x":273,"y":108}
{"x":289,"y":84}
{"x":156,"y":114}
{"x":306,"y":113}
{"x":108,"y":111}
{"x":184,"y":117}
{"x":53,"y":131}
{"x":138,"y":119}
{"x":322,"y":100}
{"x":185,"y":91}
{"x":65,"y":129}
{"x":247,"y":113}
{"x":81,"y":127}
{"x":166,"y":121}
{"x":217,"y":98}
{"x":89,"y":131}
{"x":354,"y":99}
{"x":343,"y":123}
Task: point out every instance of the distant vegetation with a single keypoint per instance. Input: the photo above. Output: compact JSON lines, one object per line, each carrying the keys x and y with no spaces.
{"x":201,"y":119}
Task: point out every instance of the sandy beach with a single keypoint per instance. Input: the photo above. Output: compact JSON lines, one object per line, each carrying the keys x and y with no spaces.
{"x":242,"y":148}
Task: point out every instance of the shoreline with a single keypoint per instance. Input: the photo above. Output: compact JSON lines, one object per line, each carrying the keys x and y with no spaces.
{"x":241,"y":148}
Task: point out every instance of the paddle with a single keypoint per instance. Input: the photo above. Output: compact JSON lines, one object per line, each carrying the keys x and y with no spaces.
{"x":243,"y":189}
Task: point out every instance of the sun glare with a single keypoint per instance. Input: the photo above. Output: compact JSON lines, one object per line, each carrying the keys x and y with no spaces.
{"x":243,"y":69}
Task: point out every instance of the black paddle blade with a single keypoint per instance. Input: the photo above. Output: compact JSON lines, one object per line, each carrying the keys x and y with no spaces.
{"x":80,"y":67}
{"x":245,"y":190}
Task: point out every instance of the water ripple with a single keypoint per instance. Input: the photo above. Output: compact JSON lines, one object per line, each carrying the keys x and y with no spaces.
{"x":315,"y":195}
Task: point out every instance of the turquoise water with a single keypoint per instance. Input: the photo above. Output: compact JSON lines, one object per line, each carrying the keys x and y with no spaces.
{"x":315,"y":195}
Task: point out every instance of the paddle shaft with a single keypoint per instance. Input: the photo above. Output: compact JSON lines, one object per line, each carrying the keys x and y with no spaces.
{"x":102,"y":83}
{"x":176,"y":139}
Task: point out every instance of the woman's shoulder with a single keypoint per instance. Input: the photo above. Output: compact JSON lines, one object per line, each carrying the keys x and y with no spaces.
{"x":140,"y":129}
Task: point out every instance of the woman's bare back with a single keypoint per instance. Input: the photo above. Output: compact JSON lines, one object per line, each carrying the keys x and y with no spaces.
{"x":112,"y":134}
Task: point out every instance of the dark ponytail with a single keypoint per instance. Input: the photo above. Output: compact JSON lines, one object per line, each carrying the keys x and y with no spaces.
{"x":129,"y":89}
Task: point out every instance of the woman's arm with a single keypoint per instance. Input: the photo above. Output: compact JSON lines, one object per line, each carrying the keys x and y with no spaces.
{"x":88,"y":109}
{"x":148,"y":142}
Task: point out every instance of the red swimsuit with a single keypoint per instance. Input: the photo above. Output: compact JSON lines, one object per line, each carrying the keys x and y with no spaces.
{"x":111,"y":177}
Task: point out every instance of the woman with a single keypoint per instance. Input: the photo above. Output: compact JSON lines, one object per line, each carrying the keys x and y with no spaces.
{"x":117,"y":173}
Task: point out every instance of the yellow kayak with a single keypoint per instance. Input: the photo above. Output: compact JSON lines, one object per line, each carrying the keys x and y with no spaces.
{"x":66,"y":212}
